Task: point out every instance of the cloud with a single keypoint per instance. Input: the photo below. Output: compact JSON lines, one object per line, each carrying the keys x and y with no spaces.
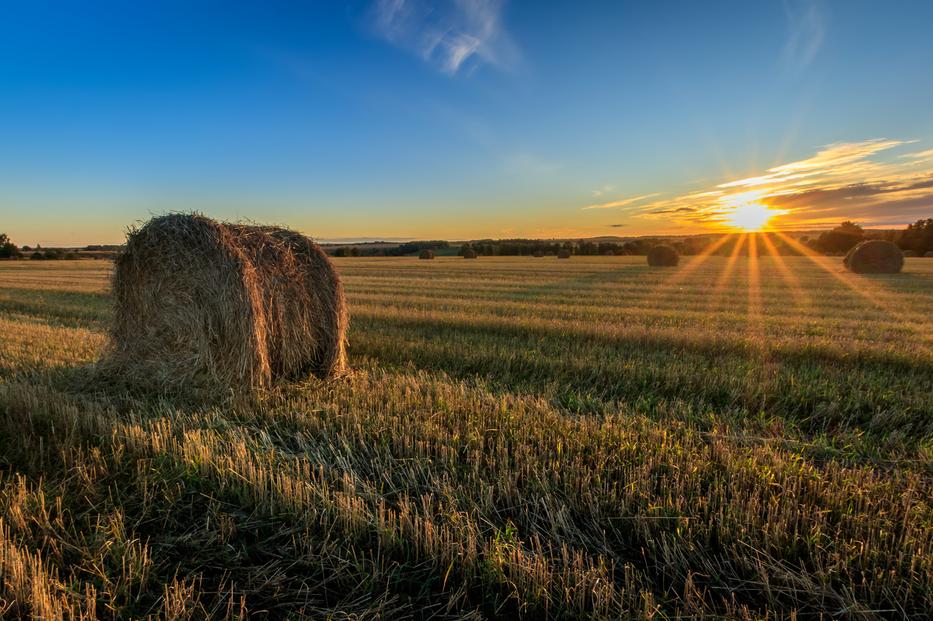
{"x":852,"y":180}
{"x":675,"y":210}
{"x":621,"y":202}
{"x":806,"y":29}
{"x":447,"y":35}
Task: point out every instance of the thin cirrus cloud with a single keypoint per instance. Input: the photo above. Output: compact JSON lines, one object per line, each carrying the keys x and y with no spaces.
{"x":806,"y":29}
{"x":450,"y":36}
{"x":839,"y":182}
{"x":624,"y":202}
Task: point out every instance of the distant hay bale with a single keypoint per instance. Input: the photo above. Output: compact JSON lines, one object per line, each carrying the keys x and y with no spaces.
{"x":469,"y":253}
{"x":875,"y":256}
{"x":663,"y":255}
{"x":204,"y":305}
{"x":909,"y":253}
{"x":563,"y":253}
{"x":427,"y":253}
{"x":537,"y":254}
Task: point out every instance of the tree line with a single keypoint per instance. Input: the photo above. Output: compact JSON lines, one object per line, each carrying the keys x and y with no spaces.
{"x":916,"y":239}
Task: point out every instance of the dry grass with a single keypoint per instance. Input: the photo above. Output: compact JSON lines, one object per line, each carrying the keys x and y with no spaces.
{"x":875,"y":256}
{"x":520,"y":439}
{"x":217,"y":306}
{"x":663,"y":256}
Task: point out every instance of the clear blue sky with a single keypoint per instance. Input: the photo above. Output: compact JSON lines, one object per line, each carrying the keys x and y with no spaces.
{"x":458,"y":120}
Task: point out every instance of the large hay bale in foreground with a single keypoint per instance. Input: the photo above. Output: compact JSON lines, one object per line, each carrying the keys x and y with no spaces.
{"x":563,"y":253}
{"x":663,"y":255}
{"x":469,"y":253}
{"x":201,"y":304}
{"x":875,"y":256}
{"x":426,"y":254}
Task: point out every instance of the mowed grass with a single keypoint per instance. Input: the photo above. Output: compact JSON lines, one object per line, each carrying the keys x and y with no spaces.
{"x":520,"y":437}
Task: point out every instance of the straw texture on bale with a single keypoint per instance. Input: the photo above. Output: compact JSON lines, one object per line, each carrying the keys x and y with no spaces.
{"x":469,"y":253}
{"x":563,"y":253}
{"x":875,"y":256}
{"x":201,"y":304}
{"x":426,"y":253}
{"x":663,"y":255}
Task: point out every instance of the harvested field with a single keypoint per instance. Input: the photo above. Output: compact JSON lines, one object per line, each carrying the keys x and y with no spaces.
{"x":519,"y":436}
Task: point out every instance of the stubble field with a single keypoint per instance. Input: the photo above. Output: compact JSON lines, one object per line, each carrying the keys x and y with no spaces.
{"x":745,"y":437}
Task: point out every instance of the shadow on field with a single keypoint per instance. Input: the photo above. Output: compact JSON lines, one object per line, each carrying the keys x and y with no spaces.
{"x":881,"y":393}
{"x":534,"y":292}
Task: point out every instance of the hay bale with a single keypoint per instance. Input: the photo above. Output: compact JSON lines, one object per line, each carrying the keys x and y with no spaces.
{"x":875,"y":256}
{"x":537,"y":254}
{"x":469,"y":253}
{"x":204,"y":305}
{"x":663,"y":255}
{"x":426,"y":254}
{"x":563,"y":253}
{"x":909,"y":253}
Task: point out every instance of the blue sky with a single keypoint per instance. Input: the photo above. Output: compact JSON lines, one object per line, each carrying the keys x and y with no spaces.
{"x":403,"y":119}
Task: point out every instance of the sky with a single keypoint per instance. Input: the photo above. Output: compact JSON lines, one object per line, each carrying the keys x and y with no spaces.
{"x":402,"y":119}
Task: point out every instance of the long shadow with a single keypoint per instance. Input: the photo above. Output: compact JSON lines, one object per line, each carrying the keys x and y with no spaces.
{"x":534,"y":292}
{"x":817,"y":396}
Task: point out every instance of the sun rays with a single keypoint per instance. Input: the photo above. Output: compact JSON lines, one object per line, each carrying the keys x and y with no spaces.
{"x":752,"y":260}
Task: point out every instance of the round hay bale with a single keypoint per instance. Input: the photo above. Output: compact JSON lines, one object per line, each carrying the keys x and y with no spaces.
{"x":426,"y":254}
{"x":663,"y":255}
{"x":537,"y":254}
{"x":928,"y":254}
{"x":909,"y":253}
{"x":204,"y":305}
{"x":563,"y":253}
{"x":875,"y":256}
{"x":469,"y":253}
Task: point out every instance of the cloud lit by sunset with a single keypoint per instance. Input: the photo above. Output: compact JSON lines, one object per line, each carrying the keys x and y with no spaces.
{"x":840,"y":181}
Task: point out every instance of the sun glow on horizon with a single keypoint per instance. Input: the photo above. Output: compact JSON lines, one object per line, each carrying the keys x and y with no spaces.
{"x":750,"y":216}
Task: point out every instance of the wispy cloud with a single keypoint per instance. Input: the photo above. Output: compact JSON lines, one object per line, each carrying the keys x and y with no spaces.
{"x":448,"y":35}
{"x":806,"y":28}
{"x":624,"y":202}
{"x":854,"y":180}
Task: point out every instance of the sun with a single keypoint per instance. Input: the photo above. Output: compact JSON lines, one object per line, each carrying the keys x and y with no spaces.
{"x":750,"y":216}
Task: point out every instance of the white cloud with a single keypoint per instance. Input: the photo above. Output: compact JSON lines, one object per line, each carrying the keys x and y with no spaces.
{"x":448,"y":35}
{"x":806,"y":25}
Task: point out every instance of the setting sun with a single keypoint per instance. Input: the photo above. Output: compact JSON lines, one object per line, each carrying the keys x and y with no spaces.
{"x":751,"y":216}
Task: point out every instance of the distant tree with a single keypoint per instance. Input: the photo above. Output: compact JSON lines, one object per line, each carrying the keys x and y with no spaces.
{"x":917,"y":237}
{"x":343,"y":251}
{"x":841,"y":239}
{"x":354,"y":251}
{"x":8,"y":249}
{"x":37,"y":256}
